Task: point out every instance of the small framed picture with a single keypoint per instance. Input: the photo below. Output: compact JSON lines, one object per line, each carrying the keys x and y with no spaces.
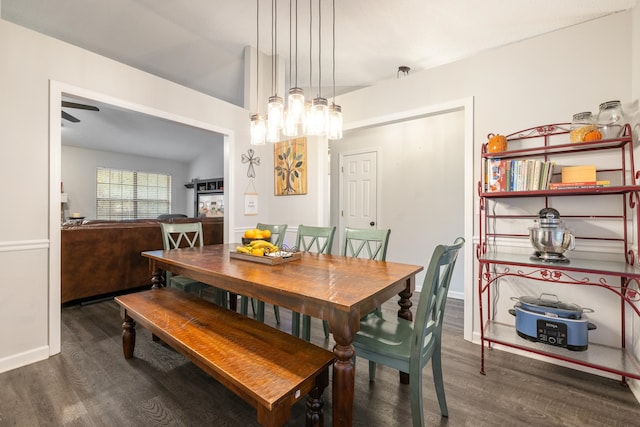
{"x":251,"y":204}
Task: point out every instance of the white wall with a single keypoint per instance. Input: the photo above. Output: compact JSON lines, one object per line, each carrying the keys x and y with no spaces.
{"x":635,"y":56}
{"x":421,"y":185}
{"x":29,"y":241}
{"x":79,"y":176}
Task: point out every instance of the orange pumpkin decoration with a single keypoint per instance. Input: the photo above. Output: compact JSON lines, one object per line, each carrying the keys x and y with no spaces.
{"x":496,"y":143}
{"x":593,"y":135}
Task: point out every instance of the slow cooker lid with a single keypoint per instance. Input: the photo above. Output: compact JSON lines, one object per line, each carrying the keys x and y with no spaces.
{"x":550,"y":302}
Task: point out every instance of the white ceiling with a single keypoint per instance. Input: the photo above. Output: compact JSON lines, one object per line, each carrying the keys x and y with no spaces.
{"x":120,"y":130}
{"x":200,"y":43}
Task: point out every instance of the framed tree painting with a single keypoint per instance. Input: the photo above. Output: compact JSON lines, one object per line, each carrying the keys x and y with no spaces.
{"x":290,"y":161}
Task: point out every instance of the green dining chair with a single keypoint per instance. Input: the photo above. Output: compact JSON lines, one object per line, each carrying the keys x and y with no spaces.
{"x":277,"y":238}
{"x":408,"y":346}
{"x":277,"y":232}
{"x":367,"y":243}
{"x":187,"y":235}
{"x":310,"y":239}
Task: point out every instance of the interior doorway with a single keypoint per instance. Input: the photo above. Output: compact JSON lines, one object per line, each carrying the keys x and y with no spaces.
{"x":397,"y":195}
{"x":57,"y":91}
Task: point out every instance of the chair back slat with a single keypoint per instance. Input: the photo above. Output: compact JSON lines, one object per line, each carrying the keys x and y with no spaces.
{"x":433,"y":296}
{"x":373,"y":242}
{"x":315,"y":239}
{"x":276,"y":230}
{"x":173,"y":235}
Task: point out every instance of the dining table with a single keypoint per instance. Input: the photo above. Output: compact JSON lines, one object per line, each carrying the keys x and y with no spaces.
{"x":335,"y":288}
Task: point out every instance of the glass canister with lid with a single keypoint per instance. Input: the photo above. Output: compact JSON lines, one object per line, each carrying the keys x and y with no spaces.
{"x":581,"y":125}
{"x":611,"y":119}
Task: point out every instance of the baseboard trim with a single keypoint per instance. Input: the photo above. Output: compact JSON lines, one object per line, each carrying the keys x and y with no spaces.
{"x":456,"y":295}
{"x":23,"y":359}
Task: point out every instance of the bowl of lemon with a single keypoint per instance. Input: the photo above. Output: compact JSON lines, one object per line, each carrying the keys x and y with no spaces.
{"x":256,"y":234}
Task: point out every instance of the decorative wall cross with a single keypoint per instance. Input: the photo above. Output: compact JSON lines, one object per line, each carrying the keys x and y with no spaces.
{"x":251,"y":173}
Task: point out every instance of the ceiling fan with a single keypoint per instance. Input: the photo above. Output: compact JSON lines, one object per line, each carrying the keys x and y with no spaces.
{"x":67,"y":104}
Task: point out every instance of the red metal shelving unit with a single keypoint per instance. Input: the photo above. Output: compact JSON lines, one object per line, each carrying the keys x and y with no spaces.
{"x":541,"y":142}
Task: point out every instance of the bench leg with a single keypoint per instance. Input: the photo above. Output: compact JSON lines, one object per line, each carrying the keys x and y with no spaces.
{"x":128,"y":336}
{"x":315,"y":414}
{"x":278,"y":417}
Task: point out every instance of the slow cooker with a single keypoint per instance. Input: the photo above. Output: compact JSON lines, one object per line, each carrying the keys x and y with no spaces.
{"x":552,"y":322}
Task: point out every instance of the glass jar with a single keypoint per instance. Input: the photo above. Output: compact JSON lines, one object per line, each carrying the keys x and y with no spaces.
{"x":581,"y":124}
{"x":611,"y":119}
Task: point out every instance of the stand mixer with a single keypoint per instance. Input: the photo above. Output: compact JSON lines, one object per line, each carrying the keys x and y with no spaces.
{"x":550,"y":238}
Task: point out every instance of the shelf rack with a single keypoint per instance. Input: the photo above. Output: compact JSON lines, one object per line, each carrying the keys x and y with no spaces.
{"x":494,"y":265}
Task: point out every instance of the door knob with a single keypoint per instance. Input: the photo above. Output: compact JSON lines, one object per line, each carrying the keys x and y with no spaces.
{"x":372,"y":223}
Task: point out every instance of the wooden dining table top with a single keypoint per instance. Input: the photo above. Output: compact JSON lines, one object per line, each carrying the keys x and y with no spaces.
{"x":352,"y":285}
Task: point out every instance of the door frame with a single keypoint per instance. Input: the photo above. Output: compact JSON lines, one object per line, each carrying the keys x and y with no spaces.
{"x":466,"y":105}
{"x":341,"y":206}
{"x":56,"y":90}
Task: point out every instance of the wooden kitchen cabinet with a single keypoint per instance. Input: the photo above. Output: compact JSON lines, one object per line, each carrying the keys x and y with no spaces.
{"x":497,"y":227}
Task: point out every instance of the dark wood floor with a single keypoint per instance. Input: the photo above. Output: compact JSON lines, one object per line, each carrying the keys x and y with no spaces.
{"x":91,"y":384}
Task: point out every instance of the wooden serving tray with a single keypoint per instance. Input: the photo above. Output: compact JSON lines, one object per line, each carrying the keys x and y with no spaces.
{"x":268,"y":260}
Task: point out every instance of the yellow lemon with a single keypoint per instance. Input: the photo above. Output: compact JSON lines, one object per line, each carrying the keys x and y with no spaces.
{"x":266,"y":234}
{"x":257,"y":251}
{"x":250,"y":234}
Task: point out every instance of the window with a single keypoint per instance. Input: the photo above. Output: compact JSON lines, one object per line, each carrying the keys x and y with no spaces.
{"x":131,"y":195}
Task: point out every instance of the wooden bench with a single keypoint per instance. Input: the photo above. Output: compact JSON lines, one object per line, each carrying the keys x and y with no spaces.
{"x":270,"y":369}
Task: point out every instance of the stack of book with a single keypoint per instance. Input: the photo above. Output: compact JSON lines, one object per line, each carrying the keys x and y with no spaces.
{"x":518,"y":175}
{"x":578,"y":184}
{"x":575,"y":177}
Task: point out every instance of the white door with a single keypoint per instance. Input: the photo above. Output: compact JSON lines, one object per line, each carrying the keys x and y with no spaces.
{"x":359,"y":190}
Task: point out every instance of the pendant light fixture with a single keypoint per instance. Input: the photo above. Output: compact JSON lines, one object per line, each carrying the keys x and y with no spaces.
{"x":319,"y":106}
{"x":294,"y":113}
{"x":315,"y":117}
{"x":275,"y":107}
{"x":258,"y":125}
{"x":334,"y":130}
{"x":307,"y":117}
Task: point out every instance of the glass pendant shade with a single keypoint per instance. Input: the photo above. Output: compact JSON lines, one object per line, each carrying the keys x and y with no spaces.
{"x":273,"y":132}
{"x":319,"y":117}
{"x":334,"y":130}
{"x":296,"y":104}
{"x":275,"y":111}
{"x":307,"y":118}
{"x":258,"y":129}
{"x":275,"y":118}
{"x":292,"y":127}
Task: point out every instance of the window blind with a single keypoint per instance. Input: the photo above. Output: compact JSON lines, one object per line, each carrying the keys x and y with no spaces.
{"x":124,"y":194}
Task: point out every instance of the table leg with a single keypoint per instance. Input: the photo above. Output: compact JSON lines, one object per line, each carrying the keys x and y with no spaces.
{"x":405,"y":313}
{"x":157,"y":280}
{"x":343,"y":329}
